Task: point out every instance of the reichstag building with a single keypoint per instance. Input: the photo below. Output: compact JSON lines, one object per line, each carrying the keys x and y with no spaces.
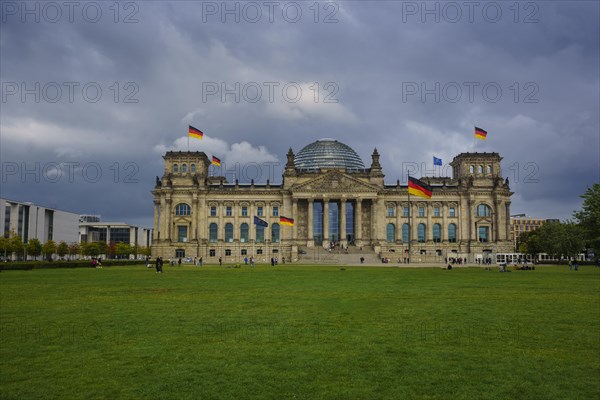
{"x":333,"y":199}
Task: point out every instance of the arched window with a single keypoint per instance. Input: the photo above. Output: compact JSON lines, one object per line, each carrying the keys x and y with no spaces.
{"x":193,"y":168}
{"x":483,"y":210}
{"x":480,"y":169}
{"x":228,"y":232}
{"x":391,"y":233}
{"x":489,"y":169}
{"x":244,"y":233}
{"x":405,"y":233}
{"x":437,"y":233}
{"x":175,"y":168}
{"x":452,"y":233}
{"x":183,"y":168}
{"x":183,"y":209}
{"x":260,"y":233}
{"x":275,"y":233}
{"x":472,"y":169}
{"x":213,"y":230}
{"x":421,"y":233}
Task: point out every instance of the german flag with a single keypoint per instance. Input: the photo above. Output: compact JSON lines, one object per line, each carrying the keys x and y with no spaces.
{"x":286,"y":221}
{"x":195,"y":133}
{"x":418,"y":188}
{"x":480,"y":133}
{"x":216,"y":161}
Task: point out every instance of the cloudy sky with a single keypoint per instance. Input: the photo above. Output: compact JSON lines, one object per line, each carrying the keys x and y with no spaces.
{"x":94,"y":93}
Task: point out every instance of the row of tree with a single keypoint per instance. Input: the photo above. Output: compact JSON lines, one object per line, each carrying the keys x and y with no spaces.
{"x":568,"y":238}
{"x":34,"y":248}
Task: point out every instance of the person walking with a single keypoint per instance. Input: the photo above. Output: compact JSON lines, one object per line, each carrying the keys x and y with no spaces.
{"x":220,"y":261}
{"x":157,"y":264}
{"x":200,"y":261}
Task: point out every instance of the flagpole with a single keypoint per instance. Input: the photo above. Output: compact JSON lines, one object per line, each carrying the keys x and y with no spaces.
{"x":188,"y":142}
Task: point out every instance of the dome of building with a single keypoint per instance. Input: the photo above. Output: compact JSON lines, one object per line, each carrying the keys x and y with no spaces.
{"x":327,"y":153}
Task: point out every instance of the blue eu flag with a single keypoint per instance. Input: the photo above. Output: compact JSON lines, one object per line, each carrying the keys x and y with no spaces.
{"x":437,"y":161}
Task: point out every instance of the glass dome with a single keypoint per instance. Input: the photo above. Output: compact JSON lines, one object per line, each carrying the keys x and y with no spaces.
{"x":327,"y":153}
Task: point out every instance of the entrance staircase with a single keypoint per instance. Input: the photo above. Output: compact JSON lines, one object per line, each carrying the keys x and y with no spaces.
{"x":319,"y":256}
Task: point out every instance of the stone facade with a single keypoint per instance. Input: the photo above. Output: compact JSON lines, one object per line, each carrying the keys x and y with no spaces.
{"x":196,"y":215}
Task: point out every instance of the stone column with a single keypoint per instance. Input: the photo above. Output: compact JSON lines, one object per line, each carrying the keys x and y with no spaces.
{"x":325,"y":221}
{"x":251,"y":226}
{"x":414,"y":227}
{"x":358,"y":222}
{"x":311,"y":239}
{"x":201,"y":219}
{"x":444,"y":232}
{"x":156,"y":221}
{"x":193,"y":233}
{"x":429,"y":228}
{"x":236,"y":221}
{"x":221,"y":230}
{"x":374,"y":212}
{"x":168,"y":218}
{"x":295,"y":218}
{"x":343,"y":221}
{"x":398,"y":221}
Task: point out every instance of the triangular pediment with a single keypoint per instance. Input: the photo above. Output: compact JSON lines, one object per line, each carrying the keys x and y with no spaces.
{"x":334,"y":182}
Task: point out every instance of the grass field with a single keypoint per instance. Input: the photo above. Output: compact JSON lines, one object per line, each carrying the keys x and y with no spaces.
{"x":300,"y":333}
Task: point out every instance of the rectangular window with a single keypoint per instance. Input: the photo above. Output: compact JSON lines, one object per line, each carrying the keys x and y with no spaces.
{"x":244,"y":252}
{"x":390,"y":211}
{"x":213,"y":211}
{"x":405,"y":212}
{"x":181,"y":233}
{"x":228,"y":211}
{"x":227,"y":252}
{"x":212,"y":252}
{"x":484,"y":233}
{"x":436,"y":211}
{"x":452,"y":212}
{"x":276,"y":211}
{"x":244,"y":211}
{"x":259,"y":211}
{"x":259,"y":251}
{"x":421,"y":211}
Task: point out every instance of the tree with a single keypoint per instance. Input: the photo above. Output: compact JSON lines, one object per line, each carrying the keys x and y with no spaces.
{"x":73,"y":250}
{"x":555,"y":238}
{"x":48,"y":249}
{"x":589,"y":217}
{"x":16,"y":244}
{"x":91,"y":249}
{"x":5,"y":246}
{"x":145,"y":251}
{"x":122,"y":249}
{"x":103,"y":248}
{"x":34,"y":248}
{"x":62,"y":249}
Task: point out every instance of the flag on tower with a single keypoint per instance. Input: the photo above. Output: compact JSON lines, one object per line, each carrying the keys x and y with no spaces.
{"x":195,"y":133}
{"x":286,"y":221}
{"x":216,"y":161}
{"x":480,"y":133}
{"x":260,"y":222}
{"x":437,"y":161}
{"x":418,"y":188}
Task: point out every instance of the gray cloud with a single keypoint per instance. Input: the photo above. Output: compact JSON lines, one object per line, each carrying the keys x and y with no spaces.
{"x":369,"y":58}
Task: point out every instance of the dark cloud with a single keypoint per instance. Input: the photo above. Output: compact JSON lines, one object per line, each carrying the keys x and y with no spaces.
{"x":152,"y":73}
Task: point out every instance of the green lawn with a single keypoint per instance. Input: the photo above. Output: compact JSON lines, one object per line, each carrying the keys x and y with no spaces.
{"x":294,"y":332}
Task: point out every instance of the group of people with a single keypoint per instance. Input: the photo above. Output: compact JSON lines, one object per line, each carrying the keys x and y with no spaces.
{"x":251,"y":260}
{"x":484,"y":261}
{"x":573,"y":265}
{"x":96,"y":262}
